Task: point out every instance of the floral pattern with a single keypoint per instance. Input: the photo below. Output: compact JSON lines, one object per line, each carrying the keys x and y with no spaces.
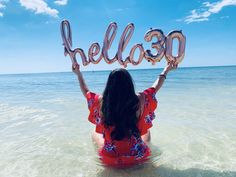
{"x":97,"y":117}
{"x":138,"y":149}
{"x":109,"y":147}
{"x":125,"y":151}
{"x":98,"y":120}
{"x":150,"y":117}
{"x":90,"y":103}
{"x":146,"y":102}
{"x":154,"y":97}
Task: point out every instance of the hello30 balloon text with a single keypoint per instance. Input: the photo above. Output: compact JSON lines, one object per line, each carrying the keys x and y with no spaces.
{"x":163,"y":46}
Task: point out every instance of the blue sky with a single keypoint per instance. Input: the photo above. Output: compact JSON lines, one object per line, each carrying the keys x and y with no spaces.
{"x":30,"y":39}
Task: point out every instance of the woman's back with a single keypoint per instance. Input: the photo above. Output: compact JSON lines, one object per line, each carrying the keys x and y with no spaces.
{"x":129,"y":150}
{"x":121,"y":117}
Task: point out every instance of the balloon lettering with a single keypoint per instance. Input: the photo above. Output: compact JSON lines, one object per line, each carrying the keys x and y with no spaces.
{"x":163,"y":46}
{"x":159,"y":45}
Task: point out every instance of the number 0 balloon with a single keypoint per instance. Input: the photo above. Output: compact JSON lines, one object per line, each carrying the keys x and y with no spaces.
{"x":181,"y":49}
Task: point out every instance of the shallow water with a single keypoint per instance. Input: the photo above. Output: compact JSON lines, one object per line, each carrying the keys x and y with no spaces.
{"x":44,"y":129}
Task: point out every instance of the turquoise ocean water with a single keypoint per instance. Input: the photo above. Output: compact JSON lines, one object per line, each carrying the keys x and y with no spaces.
{"x":44,"y":130}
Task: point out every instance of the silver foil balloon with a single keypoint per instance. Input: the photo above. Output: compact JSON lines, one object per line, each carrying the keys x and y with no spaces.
{"x":181,"y":47}
{"x":82,"y":55}
{"x":66,"y":38}
{"x":94,"y":49}
{"x":108,"y":39}
{"x":124,"y":40}
{"x":141,"y":54}
{"x":158,"y":45}
{"x":67,"y":42}
{"x":163,"y":46}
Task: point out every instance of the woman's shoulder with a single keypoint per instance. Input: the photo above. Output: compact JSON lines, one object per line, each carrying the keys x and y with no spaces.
{"x":93,"y":100}
{"x":148,"y":95}
{"x":150,"y":90}
{"x":93,"y":95}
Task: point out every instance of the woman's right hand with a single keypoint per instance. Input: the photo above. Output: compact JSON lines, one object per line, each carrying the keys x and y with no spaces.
{"x":76,"y":68}
{"x":170,"y":66}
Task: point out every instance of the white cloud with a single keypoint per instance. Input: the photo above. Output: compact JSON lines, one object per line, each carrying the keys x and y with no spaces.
{"x":61,"y":2}
{"x":39,"y":6}
{"x":2,"y":6}
{"x":207,"y":9}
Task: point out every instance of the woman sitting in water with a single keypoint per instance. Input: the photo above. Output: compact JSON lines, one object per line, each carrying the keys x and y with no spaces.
{"x":122,"y":117}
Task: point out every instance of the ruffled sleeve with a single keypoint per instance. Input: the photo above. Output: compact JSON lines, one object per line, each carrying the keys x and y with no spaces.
{"x":148,"y":115}
{"x":94,"y":107}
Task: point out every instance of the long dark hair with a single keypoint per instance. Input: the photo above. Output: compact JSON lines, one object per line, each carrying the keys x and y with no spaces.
{"x":120,"y":104}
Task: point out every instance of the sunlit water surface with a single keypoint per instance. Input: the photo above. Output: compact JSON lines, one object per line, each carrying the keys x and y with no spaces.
{"x":44,"y":130}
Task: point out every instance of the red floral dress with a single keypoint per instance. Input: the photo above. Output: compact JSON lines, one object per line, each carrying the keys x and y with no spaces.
{"x":128,"y":151}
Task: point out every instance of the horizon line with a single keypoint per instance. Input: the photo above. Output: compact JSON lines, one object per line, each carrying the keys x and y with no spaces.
{"x":184,"y":67}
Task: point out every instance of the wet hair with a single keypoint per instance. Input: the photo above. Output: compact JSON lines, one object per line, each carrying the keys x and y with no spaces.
{"x":120,"y":104}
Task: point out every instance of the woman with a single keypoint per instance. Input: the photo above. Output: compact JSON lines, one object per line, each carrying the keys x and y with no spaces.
{"x":122,"y":117}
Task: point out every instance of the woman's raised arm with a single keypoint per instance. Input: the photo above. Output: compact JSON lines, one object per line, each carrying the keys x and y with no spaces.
{"x":160,"y":80}
{"x":83,"y":86}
